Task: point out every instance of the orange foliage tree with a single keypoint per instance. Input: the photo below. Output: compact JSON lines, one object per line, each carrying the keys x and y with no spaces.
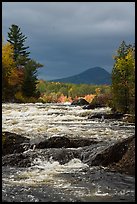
{"x":11,"y":76}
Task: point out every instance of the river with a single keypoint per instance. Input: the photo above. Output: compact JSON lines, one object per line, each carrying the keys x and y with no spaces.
{"x":47,"y":180}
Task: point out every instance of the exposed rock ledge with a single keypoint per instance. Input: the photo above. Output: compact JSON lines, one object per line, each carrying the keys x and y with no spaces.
{"x":119,"y":156}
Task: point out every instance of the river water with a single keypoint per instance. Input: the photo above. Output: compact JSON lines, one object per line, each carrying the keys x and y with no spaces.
{"x":47,"y":180}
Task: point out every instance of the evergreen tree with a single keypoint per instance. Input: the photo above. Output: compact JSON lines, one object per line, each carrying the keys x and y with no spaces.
{"x":30,"y":78}
{"x":123,"y":50}
{"x":17,"y":39}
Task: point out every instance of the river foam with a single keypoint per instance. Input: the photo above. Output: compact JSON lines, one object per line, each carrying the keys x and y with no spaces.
{"x":46,"y":180}
{"x":60,"y":119}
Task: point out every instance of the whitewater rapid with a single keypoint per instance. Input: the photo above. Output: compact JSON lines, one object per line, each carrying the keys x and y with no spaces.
{"x":49,"y":120}
{"x":48,"y":180}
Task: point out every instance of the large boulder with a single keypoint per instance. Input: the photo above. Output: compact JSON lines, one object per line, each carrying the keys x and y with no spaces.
{"x":13,"y":143}
{"x":119,"y":156}
{"x":127,"y":163}
{"x":80,"y":102}
{"x":62,"y":141}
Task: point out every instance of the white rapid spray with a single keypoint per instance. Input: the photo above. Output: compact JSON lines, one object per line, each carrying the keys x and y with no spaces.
{"x":74,"y":180}
{"x":35,"y":120}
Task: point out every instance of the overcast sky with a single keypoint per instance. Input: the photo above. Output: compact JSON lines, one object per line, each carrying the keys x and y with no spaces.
{"x":70,"y":37}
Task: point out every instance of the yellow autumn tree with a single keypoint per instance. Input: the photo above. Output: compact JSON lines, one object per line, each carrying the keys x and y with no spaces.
{"x":10,"y":74}
{"x":7,"y":59}
{"x":123,"y":79}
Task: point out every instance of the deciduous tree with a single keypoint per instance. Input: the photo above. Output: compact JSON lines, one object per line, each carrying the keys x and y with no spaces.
{"x":11,"y":76}
{"x":8,"y":67}
{"x":123,"y":79}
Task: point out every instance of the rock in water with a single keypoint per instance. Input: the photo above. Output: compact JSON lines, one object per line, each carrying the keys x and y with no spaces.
{"x":119,"y":157}
{"x":127,"y":163}
{"x":80,"y":102}
{"x":13,"y":143}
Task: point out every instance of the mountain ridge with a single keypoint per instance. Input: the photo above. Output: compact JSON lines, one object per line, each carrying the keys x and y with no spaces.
{"x":94,"y":75}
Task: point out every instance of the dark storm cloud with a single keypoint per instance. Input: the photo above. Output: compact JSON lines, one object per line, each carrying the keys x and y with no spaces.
{"x":70,"y":37}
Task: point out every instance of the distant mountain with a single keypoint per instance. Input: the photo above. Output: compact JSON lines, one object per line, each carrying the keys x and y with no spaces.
{"x":95,"y":75}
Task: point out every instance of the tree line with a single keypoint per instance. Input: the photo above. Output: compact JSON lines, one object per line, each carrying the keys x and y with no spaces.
{"x":19,"y":75}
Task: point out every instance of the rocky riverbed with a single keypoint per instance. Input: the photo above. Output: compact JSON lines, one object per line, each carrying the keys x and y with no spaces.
{"x":57,"y":153}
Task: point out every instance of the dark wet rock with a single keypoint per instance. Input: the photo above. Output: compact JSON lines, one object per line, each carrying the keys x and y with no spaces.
{"x":62,"y":155}
{"x":88,"y":153}
{"x":54,"y":142}
{"x":93,"y":106}
{"x":119,"y":156}
{"x":61,"y":149}
{"x":106,"y":116}
{"x":127,"y":163}
{"x":13,"y":143}
{"x":16,"y":159}
{"x":58,"y":142}
{"x":112,"y":154}
{"x":80,"y":102}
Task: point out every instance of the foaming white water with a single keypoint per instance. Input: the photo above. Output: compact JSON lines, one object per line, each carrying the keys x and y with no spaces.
{"x":49,"y":120}
{"x":46,"y":172}
{"x":50,"y":173}
{"x":59,"y":119}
